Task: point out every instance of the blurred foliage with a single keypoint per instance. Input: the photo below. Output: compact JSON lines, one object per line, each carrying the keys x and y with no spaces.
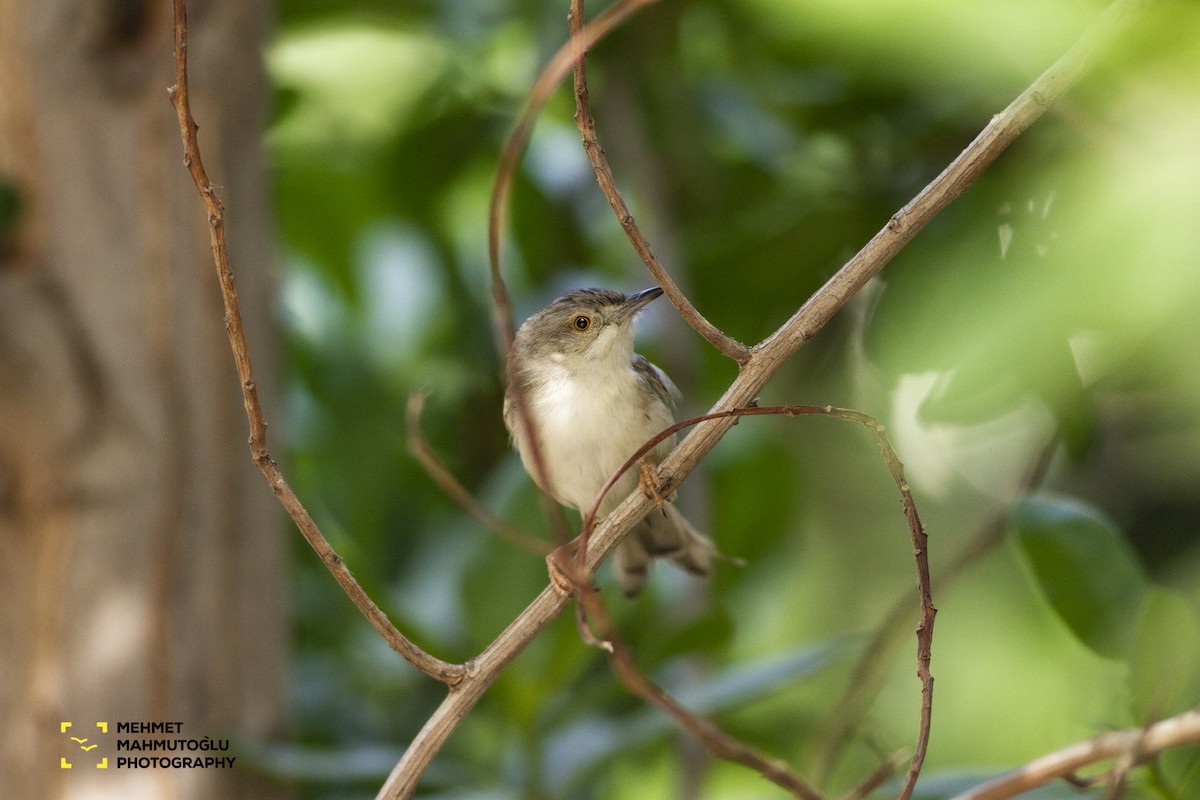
{"x":1087,"y":569}
{"x":759,"y":143}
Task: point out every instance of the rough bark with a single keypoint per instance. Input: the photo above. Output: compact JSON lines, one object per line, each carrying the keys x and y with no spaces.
{"x":141,"y":558}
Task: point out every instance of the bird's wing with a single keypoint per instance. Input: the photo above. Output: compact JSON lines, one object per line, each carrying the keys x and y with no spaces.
{"x":657,"y":380}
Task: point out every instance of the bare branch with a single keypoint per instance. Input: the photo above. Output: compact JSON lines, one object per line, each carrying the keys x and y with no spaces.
{"x":604,"y":176}
{"x":766,"y":358}
{"x":716,"y":740}
{"x":868,"y":675}
{"x":545,"y":84}
{"x":590,"y":558}
{"x":537,"y":462}
{"x":482,"y":672}
{"x":1132,"y":746}
{"x":434,"y":667}
{"x":438,"y":473}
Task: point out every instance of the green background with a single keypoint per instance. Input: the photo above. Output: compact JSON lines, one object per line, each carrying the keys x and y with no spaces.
{"x":759,"y":143}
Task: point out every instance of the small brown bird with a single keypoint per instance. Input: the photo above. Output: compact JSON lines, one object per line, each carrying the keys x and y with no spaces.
{"x":593,"y":403}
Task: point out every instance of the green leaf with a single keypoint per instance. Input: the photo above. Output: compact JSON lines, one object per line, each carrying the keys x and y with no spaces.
{"x":1086,"y":569}
{"x":1164,"y":676}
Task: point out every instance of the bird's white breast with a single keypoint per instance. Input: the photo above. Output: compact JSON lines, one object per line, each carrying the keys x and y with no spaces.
{"x":588,"y":427}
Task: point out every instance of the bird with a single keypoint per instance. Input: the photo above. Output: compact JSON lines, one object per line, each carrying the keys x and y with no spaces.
{"x":593,"y":402}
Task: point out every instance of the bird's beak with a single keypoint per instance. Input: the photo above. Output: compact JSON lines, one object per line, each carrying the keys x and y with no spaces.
{"x":637,"y":301}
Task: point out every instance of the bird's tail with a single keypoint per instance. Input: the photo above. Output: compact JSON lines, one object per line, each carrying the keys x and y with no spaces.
{"x":664,"y":533}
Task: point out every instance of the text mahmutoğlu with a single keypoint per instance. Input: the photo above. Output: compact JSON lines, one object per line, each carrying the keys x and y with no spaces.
{"x":169,"y":745}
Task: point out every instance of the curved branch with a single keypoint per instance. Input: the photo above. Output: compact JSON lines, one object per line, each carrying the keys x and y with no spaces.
{"x":604,"y":176}
{"x":716,"y":740}
{"x":420,"y":450}
{"x":867,"y":678}
{"x":434,"y":667}
{"x":590,"y":559}
{"x":545,"y":84}
{"x":721,"y":744}
{"x":543,"y":87}
{"x":766,"y":358}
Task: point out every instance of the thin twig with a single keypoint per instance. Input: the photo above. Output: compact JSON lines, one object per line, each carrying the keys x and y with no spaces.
{"x":876,"y":778}
{"x":716,"y":740}
{"x":537,"y":462}
{"x":867,"y":678}
{"x":545,"y":84}
{"x":920,"y":541}
{"x":604,"y":177}
{"x":434,"y":667}
{"x":766,"y":359}
{"x":420,"y":450}
{"x":1138,"y":743}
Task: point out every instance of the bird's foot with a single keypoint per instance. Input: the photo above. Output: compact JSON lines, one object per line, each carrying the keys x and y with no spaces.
{"x":560,"y":563}
{"x":648,"y":479}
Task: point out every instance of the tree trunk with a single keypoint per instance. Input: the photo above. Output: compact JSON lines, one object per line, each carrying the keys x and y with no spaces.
{"x":142,"y":557}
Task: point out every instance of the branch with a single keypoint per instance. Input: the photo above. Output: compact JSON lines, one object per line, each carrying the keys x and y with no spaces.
{"x":434,"y":667}
{"x":1135,"y":745}
{"x":590,"y":558}
{"x":867,"y":679}
{"x":716,"y":740}
{"x":765,"y":359}
{"x":545,"y":84}
{"x":543,"y":87}
{"x":437,"y":471}
{"x":604,"y":176}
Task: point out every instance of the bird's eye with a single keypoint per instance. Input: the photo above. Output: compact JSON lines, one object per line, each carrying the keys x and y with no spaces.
{"x":582,"y":322}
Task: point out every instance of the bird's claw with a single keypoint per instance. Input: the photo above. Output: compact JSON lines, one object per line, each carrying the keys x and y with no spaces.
{"x":561,"y":566}
{"x":648,"y":482}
